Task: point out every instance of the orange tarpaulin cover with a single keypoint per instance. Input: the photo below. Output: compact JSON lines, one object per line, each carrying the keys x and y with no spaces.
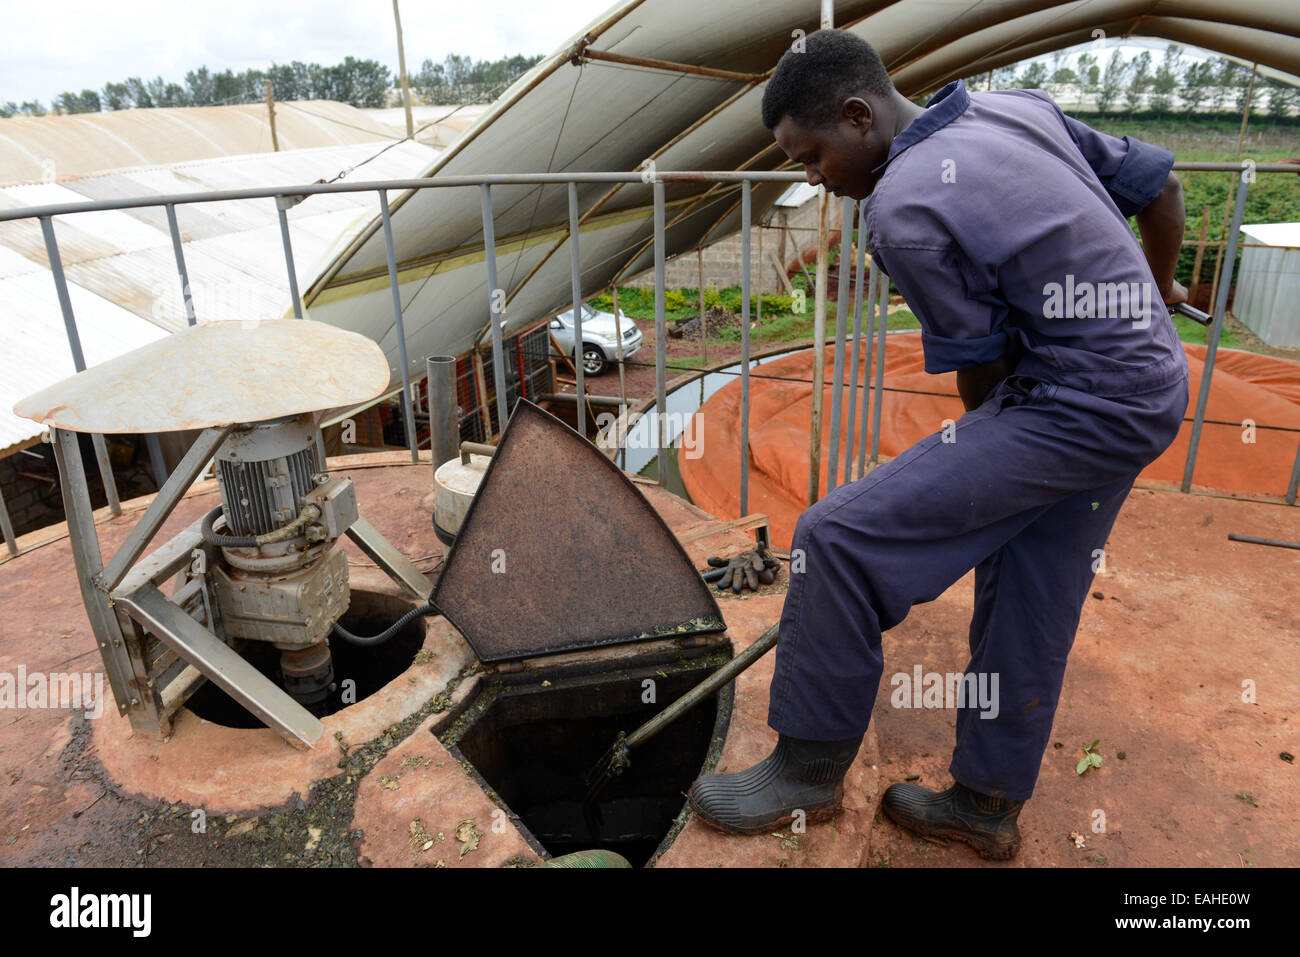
{"x":1262,"y":389}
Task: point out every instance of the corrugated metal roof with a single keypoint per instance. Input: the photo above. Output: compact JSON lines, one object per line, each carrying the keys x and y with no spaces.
{"x":122,"y":273}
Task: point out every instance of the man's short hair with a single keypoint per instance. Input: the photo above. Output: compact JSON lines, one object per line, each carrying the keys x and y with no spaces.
{"x":811,"y":84}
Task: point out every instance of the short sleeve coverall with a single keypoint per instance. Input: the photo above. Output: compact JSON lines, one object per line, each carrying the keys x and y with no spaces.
{"x":1002,"y":223}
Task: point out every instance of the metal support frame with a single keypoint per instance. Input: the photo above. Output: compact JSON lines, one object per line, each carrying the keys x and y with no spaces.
{"x":408,"y":413}
{"x":384,"y":554}
{"x":178,"y":250}
{"x":576,"y":283}
{"x":868,"y":383}
{"x":1216,"y":330}
{"x":859,"y":268}
{"x":880,"y":367}
{"x":7,"y":527}
{"x":661,"y":354}
{"x":282,"y":205}
{"x":78,"y":357}
{"x":841,"y":319}
{"x":496,"y":305}
{"x":746,"y":217}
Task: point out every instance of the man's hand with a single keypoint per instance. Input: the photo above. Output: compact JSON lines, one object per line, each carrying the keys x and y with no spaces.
{"x":1176,"y":294}
{"x":975,"y":384}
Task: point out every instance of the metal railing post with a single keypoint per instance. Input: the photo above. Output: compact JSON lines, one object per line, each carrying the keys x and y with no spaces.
{"x":746,"y":214}
{"x":576,"y":282}
{"x":819,"y":349}
{"x":1216,"y":329}
{"x":841,"y":320}
{"x":178,"y":250}
{"x":880,"y":368}
{"x":1294,"y":484}
{"x":868,"y":382}
{"x":78,"y":358}
{"x":661,"y":397}
{"x":7,"y":527}
{"x":408,"y":413}
{"x":859,"y":268}
{"x":496,"y":305}
{"x":282,"y":204}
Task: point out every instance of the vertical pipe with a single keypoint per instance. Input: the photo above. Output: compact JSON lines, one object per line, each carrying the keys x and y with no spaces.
{"x":758,"y":328}
{"x":859,"y":267}
{"x":746,"y":213}
{"x":1216,"y":329}
{"x":868,"y":382}
{"x":819,"y":349}
{"x":78,"y":357}
{"x":1294,"y":484}
{"x":444,"y":429}
{"x":661,"y":397}
{"x":496,"y":301}
{"x":178,"y":251}
{"x":7,"y":527}
{"x":157,"y":463}
{"x":622,"y":374}
{"x":282,"y":204}
{"x":704,"y":331}
{"x":841,"y":317}
{"x":880,"y":368}
{"x":408,"y":413}
{"x":576,"y":284}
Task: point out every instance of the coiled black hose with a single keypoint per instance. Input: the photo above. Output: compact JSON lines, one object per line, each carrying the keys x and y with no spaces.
{"x":388,"y":632}
{"x":228,"y":541}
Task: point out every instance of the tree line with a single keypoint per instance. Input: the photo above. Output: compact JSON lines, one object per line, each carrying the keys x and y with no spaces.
{"x":362,"y":83}
{"x":1176,"y":85}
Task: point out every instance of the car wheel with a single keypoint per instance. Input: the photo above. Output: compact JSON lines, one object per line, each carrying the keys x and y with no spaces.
{"x":593,"y":359}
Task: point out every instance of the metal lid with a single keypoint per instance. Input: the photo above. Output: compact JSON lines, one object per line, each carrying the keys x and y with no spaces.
{"x":560,"y":552}
{"x":216,"y":373}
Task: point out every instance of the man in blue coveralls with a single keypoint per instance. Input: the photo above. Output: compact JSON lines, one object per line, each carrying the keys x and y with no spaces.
{"x":1003,"y":224}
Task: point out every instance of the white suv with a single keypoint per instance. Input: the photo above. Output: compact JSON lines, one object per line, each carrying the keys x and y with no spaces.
{"x":599,"y":342}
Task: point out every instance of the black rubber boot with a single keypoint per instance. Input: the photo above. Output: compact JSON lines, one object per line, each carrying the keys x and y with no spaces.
{"x":987,"y":824}
{"x":798,"y":775}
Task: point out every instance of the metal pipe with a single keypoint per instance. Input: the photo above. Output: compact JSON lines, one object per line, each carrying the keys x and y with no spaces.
{"x":841,"y":320}
{"x":1212,"y":345}
{"x":661,"y":397}
{"x":600,"y":401}
{"x":78,"y":357}
{"x":1294,"y":484}
{"x":157,"y":464}
{"x":444,"y":427}
{"x":859,"y":267}
{"x":576,"y":282}
{"x":1251,"y":539}
{"x":282,"y":204}
{"x":488,"y":179}
{"x":868,"y":382}
{"x":495,"y":304}
{"x":475,"y":448}
{"x":408,"y":413}
{"x":178,"y":251}
{"x":819,"y":348}
{"x":880,"y":368}
{"x":746,"y":213}
{"x":7,"y":527}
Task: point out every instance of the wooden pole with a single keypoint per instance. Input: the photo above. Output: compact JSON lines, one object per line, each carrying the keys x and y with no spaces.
{"x":406,"y":82}
{"x":270,"y":109}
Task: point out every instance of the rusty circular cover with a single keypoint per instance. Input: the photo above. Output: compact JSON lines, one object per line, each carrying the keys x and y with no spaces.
{"x":216,"y":373}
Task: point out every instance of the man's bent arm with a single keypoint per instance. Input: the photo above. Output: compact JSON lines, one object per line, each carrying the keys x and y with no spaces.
{"x":975,"y":384}
{"x":1161,"y":226}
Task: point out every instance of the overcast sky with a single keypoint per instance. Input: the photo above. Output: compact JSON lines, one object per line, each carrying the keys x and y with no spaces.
{"x":50,"y":47}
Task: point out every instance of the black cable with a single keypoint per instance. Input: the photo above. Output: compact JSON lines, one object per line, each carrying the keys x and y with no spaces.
{"x":226,"y":541}
{"x":388,"y":632}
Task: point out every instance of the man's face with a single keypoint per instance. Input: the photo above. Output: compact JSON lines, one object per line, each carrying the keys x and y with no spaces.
{"x":841,"y":154}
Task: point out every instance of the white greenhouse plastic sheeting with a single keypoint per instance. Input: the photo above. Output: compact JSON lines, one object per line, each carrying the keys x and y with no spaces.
{"x":121,"y":270}
{"x":607,"y":116}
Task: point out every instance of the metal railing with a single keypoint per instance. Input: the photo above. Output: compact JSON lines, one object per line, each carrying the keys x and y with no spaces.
{"x":840,"y":466}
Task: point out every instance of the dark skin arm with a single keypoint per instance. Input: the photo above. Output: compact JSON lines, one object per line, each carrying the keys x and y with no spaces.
{"x":1161,"y":227}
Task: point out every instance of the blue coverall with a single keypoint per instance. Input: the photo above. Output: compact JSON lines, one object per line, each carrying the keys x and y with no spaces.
{"x":1002,"y":223}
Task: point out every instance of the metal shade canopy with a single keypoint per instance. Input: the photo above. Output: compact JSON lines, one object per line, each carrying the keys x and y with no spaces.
{"x":559,"y":552}
{"x":215,"y":374}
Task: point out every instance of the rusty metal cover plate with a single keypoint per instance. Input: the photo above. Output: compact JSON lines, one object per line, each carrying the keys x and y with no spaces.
{"x":560,"y":551}
{"x":217,"y":373}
